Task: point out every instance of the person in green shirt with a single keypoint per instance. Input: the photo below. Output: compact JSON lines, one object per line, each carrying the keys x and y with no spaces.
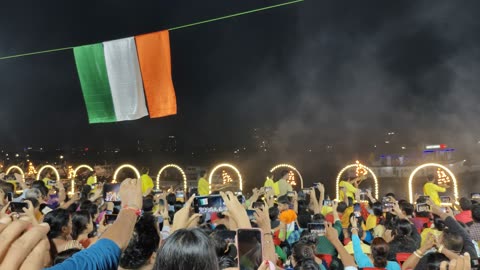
{"x":269,"y":180}
{"x":46,"y":178}
{"x":147,"y":182}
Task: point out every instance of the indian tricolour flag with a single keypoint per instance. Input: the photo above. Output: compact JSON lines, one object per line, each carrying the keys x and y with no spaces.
{"x":120,"y":78}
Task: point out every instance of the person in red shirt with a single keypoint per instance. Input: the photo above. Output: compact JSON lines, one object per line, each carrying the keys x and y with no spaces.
{"x":466,"y":215}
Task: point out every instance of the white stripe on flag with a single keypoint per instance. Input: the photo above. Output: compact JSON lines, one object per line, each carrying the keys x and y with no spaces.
{"x":125,"y":79}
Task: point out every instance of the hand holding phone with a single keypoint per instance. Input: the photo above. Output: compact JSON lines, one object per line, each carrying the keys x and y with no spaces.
{"x":316,"y":228}
{"x":17,"y":207}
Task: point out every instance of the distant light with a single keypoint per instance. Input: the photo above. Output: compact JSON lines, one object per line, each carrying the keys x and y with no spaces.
{"x":61,"y":157}
{"x":387,"y":142}
{"x":403,"y":147}
{"x":436,"y":146}
{"x":375,"y":146}
{"x":17,"y":155}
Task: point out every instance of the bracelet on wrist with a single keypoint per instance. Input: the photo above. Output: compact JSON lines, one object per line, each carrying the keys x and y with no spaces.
{"x":136,"y":210}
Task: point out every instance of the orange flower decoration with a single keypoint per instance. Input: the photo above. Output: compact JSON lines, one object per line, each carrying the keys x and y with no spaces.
{"x":287,"y":216}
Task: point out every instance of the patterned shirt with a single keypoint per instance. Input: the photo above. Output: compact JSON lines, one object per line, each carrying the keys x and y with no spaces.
{"x":475,"y":231}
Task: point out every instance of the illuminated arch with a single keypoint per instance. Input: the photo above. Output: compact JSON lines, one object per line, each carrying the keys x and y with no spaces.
{"x":72,"y":190}
{"x":229,"y":166}
{"x":137,"y":173}
{"x":410,"y":180}
{"x":353,"y":166}
{"x":291,"y":168}
{"x":184,"y":176}
{"x":14,"y":167}
{"x":39,"y":174}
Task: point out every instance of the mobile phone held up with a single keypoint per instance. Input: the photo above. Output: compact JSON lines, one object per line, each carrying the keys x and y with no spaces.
{"x":209,"y":204}
{"x":249,"y":246}
{"x":316,"y":228}
{"x":17,"y":207}
{"x":423,"y":207}
{"x":110,"y":219}
{"x":111,"y":192}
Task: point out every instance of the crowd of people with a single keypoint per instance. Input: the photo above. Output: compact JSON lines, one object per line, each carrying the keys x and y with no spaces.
{"x":271,"y":227}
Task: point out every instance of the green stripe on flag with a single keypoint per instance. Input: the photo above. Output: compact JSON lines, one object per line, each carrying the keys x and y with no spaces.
{"x":92,"y":72}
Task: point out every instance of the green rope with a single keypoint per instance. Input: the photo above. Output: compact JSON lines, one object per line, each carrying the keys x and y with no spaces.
{"x":171,"y":29}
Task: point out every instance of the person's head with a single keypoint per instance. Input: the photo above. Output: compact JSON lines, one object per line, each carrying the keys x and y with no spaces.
{"x":407,"y":208}
{"x":60,"y":223}
{"x":33,"y":193}
{"x":40,"y":185}
{"x":434,"y":259}
{"x":7,"y":187}
{"x":81,"y":223}
{"x":430,"y":178}
{"x":148,"y":204}
{"x":273,"y":212}
{"x":452,"y":241}
{"x":341,"y":207}
{"x":143,"y":244}
{"x":203,"y":174}
{"x":390,"y":194}
{"x":303,"y":255}
{"x":403,"y":229}
{"x":438,"y":223}
{"x":171,"y":199}
{"x":283,"y":203}
{"x":90,"y":207}
{"x":465,"y":204}
{"x":284,"y":174}
{"x":145,"y":170}
{"x":476,"y":213}
{"x":377,"y":209}
{"x":187,"y":249}
{"x":380,"y":251}
{"x":303,"y":220}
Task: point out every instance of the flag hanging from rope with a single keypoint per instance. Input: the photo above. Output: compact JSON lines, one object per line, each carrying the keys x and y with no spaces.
{"x":118,"y":76}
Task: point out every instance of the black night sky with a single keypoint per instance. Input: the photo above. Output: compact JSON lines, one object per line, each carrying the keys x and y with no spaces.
{"x":314,"y":73}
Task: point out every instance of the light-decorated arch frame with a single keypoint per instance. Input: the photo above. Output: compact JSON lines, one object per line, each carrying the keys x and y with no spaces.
{"x":137,"y":173}
{"x":39,"y":174}
{"x":240,"y":180}
{"x":75,"y":172}
{"x":15,"y":167}
{"x":339,"y":176}
{"x":291,"y":167}
{"x":174,"y":166}
{"x":435,"y":165}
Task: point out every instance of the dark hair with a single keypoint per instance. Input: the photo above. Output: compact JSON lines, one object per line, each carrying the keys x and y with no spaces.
{"x":187,"y":250}
{"x":171,"y":199}
{"x":64,"y":255}
{"x":465,"y":204}
{"x":341,"y":207}
{"x":318,"y":218}
{"x":7,"y":187}
{"x":403,"y":229}
{"x":35,"y":202}
{"x":433,"y":260}
{"x":273,"y":212}
{"x":40,"y":185}
{"x":390,"y":194}
{"x":377,"y":209}
{"x":476,"y":213}
{"x":303,"y":220}
{"x":407,"y":208}
{"x":430,"y":177}
{"x":438,"y":222}
{"x":90,"y":207}
{"x":145,"y":170}
{"x":227,"y":261}
{"x":57,"y":219}
{"x":142,"y":245}
{"x":283,"y":199}
{"x":148,"y":204}
{"x":202,"y":173}
{"x":360,"y":221}
{"x":452,"y":241}
{"x":283,"y":173}
{"x":380,"y":251}
{"x":80,"y":222}
{"x":304,"y":255}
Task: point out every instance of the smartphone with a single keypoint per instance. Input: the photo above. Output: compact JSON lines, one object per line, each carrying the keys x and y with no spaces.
{"x":387,"y":204}
{"x":423,"y":207}
{"x":475,"y":196}
{"x":316,"y":228}
{"x":315,"y":185}
{"x":241,"y":198}
{"x":209,"y":204}
{"x":328,"y":203}
{"x":17,"y":207}
{"x":180,"y":195}
{"x":306,"y":190}
{"x":52,"y":183}
{"x":357,"y":210}
{"x":111,"y":192}
{"x":268,"y":189}
{"x":157,"y":191}
{"x":251,"y":215}
{"x":444,"y":209}
{"x":110,"y":219}
{"x":249,"y":246}
{"x":445,"y":200}
{"x":290,"y":194}
{"x":9,"y":196}
{"x":258,"y":205}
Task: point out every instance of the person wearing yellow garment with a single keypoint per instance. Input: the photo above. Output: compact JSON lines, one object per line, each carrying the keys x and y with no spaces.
{"x":203,"y":186}
{"x":92,"y":182}
{"x":269,"y":181}
{"x":350,"y":187}
{"x":147,"y":182}
{"x":46,"y":179}
{"x":431,"y":189}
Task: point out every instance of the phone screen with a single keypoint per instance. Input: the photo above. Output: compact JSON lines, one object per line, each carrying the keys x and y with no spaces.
{"x":110,"y":219}
{"x":316,"y":228}
{"x":423,"y":207}
{"x":209,"y":204}
{"x":111,"y":192}
{"x":328,"y":203}
{"x":357,"y":210}
{"x":445,"y":200}
{"x":228,"y":236}
{"x":251,"y":215}
{"x":387,"y":204}
{"x":17,"y":207}
{"x":9,"y":196}
{"x":180,"y":195}
{"x":306,"y":190}
{"x":249,"y":244}
{"x":51,"y":182}
{"x":424,"y":198}
{"x":475,"y":196}
{"x":290,"y":194}
{"x":268,"y":189}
